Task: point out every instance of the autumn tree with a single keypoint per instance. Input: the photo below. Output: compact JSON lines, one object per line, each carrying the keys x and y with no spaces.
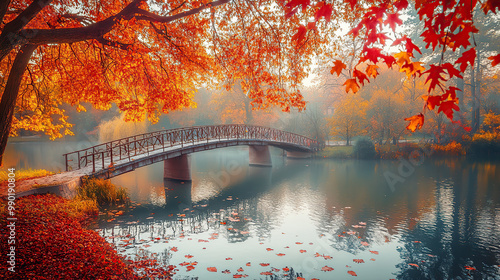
{"x":349,"y":118}
{"x":147,"y":57}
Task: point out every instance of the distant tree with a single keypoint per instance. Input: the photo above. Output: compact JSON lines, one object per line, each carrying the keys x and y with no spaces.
{"x":349,"y":118}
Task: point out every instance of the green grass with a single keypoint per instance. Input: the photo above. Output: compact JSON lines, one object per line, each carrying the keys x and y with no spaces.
{"x":103,"y":192}
{"x":24,"y":174}
{"x":340,"y":152}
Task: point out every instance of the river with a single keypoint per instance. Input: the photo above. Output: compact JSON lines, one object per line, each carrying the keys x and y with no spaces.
{"x":325,"y":219}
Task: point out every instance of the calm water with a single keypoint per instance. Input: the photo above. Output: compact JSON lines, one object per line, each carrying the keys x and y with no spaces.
{"x":432,"y":221}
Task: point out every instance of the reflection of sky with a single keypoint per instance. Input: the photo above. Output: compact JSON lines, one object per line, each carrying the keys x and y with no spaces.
{"x":442,"y":217}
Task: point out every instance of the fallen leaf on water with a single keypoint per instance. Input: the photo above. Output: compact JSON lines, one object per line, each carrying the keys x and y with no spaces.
{"x":374,"y":252}
{"x":303,"y":251}
{"x":326,"y":257}
{"x":249,"y":264}
{"x":372,"y":259}
{"x":417,"y":242}
{"x":358,"y":260}
{"x":299,"y":243}
{"x":264,"y":264}
{"x":269,"y":249}
{"x":286,"y":269}
{"x":240,"y":269}
{"x":212,"y":269}
{"x":280,"y":254}
{"x":415,"y":265}
{"x":226,"y":271}
{"x":188,"y":256}
{"x":352,"y":273}
{"x":174,"y":249}
{"x":326,"y":268}
{"x":228,"y":259}
{"x":301,"y":278}
{"x":189,"y":267}
{"x":240,"y":276}
{"x":364,"y":243}
{"x":469,"y":267}
{"x":266,"y":273}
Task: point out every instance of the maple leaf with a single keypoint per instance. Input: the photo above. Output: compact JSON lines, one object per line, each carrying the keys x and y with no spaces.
{"x":338,"y":66}
{"x":469,"y":268}
{"x":300,"y":35}
{"x":432,"y":101}
{"x":358,"y":260}
{"x":352,"y":273}
{"x":371,"y":70}
{"x":240,"y":276}
{"x":360,"y":76}
{"x":414,"y":265}
{"x":294,"y":3}
{"x":448,"y":107}
{"x":490,"y":5}
{"x":353,"y":3}
{"x":467,"y":57}
{"x":434,"y":77}
{"x":416,"y":122}
{"x":280,"y":254}
{"x":303,"y":251}
{"x":351,"y":84}
{"x":393,"y":20}
{"x":401,"y":4}
{"x":325,"y":11}
{"x":402,"y":58}
{"x":372,"y":54}
{"x":452,"y":71}
{"x":212,"y":269}
{"x":326,"y":268}
{"x":495,"y":59}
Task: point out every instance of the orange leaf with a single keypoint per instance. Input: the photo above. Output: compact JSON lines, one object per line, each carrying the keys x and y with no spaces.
{"x":374,"y":252}
{"x":352,"y":273}
{"x":358,"y":260}
{"x":351,"y":84}
{"x":302,"y":251}
{"x":212,"y":269}
{"x":337,"y":67}
{"x":264,"y":264}
{"x":371,"y":70}
{"x":416,"y":122}
{"x":326,"y":268}
{"x":495,"y":59}
{"x":469,"y":267}
{"x":415,"y":265}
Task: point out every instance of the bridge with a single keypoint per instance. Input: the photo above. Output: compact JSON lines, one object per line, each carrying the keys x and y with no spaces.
{"x":173,"y":146}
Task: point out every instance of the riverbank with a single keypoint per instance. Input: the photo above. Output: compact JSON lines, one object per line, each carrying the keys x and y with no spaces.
{"x":49,"y":236}
{"x":389,"y":151}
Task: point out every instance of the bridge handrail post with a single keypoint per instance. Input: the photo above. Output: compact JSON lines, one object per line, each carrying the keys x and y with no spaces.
{"x":66,"y":161}
{"x":78,"y":156}
{"x":111,"y":153}
{"x":93,"y":162}
{"x":102,"y":156}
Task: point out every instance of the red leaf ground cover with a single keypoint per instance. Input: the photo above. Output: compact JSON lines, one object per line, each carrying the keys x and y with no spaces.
{"x":53,"y":242}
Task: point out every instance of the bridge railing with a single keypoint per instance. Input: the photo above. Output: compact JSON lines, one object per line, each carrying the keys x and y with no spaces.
{"x":129,"y":147}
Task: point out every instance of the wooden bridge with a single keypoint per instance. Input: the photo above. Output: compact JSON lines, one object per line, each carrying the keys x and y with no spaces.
{"x":172,"y":146}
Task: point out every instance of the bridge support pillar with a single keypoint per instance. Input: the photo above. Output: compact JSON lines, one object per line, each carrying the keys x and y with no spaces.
{"x":177,"y":168}
{"x":259,"y":156}
{"x":298,"y":155}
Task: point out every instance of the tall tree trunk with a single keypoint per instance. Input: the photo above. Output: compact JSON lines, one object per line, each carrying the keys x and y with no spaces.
{"x":10,"y":93}
{"x":477,"y":108}
{"x":474,"y":120}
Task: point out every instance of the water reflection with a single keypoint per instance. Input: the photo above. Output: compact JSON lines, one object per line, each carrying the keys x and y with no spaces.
{"x":441,"y":219}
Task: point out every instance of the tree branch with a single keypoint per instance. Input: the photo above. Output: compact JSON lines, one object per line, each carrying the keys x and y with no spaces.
{"x":4,"y":5}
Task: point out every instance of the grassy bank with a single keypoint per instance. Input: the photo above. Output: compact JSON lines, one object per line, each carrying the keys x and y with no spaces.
{"x":389,"y":151}
{"x":23,"y":174}
{"x":338,"y":152}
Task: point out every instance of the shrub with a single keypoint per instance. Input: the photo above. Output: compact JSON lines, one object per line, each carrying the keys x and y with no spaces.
{"x":484,"y":145}
{"x":364,"y":148}
{"x":103,"y":192}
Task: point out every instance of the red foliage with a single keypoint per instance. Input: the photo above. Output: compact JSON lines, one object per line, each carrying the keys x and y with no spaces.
{"x":52,"y":242}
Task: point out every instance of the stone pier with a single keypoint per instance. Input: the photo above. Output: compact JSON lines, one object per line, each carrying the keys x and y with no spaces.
{"x":177,"y":168}
{"x":259,"y":156}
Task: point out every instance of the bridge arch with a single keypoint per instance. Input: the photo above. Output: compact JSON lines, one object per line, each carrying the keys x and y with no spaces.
{"x":172,"y":146}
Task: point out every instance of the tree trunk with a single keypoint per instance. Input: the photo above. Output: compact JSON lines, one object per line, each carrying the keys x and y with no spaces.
{"x":10,"y":93}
